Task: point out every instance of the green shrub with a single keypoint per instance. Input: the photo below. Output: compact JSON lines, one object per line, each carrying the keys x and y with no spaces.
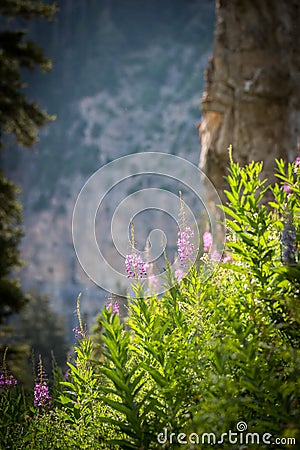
{"x":210,"y":356}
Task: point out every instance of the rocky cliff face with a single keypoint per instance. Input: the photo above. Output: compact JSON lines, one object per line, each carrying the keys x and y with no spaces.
{"x":252,"y":95}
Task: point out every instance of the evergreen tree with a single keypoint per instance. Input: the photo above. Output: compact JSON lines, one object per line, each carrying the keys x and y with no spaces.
{"x":20,"y":118}
{"x":43,"y":330}
{"x":11,"y":296}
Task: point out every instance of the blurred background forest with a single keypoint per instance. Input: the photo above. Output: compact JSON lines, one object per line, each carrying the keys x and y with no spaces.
{"x":127,"y":77}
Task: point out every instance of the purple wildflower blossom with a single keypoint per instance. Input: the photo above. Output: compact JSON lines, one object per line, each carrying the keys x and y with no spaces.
{"x":207,"y":241}
{"x":79,"y":333}
{"x":7,"y":380}
{"x":227,"y":258}
{"x":115,"y":307}
{"x":41,"y":395}
{"x":179,"y":274}
{"x":297,"y":165}
{"x":135,"y":266}
{"x":286,"y":187}
{"x":185,"y":247}
{"x":216,"y":256}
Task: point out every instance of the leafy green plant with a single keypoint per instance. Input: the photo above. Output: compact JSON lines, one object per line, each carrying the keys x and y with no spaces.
{"x":206,"y":356}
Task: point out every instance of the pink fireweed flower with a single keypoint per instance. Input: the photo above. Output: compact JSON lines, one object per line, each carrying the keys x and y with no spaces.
{"x":115,"y":307}
{"x":297,"y":165}
{"x":287,"y":188}
{"x":179,"y":274}
{"x":41,"y":395}
{"x":185,"y":247}
{"x":153,"y":283}
{"x":7,"y":381}
{"x":216,"y":256}
{"x":207,"y":241}
{"x":80,"y":333}
{"x":226,"y":259}
{"x":135,"y":266}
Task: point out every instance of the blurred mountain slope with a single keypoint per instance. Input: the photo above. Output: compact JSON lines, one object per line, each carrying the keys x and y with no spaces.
{"x":127,"y":77}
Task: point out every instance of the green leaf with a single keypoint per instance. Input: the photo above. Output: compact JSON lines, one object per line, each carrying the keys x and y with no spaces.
{"x":120,"y":407}
{"x":234,"y":267}
{"x":118,"y":424}
{"x":247,"y":239}
{"x":125,"y":445}
{"x":156,"y":375}
{"x":112,"y":375}
{"x":153,"y":406}
{"x":274,"y":205}
{"x":233,"y":225}
{"x":64,"y":400}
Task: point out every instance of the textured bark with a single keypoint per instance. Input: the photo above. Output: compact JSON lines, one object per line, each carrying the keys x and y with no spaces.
{"x":252,"y":95}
